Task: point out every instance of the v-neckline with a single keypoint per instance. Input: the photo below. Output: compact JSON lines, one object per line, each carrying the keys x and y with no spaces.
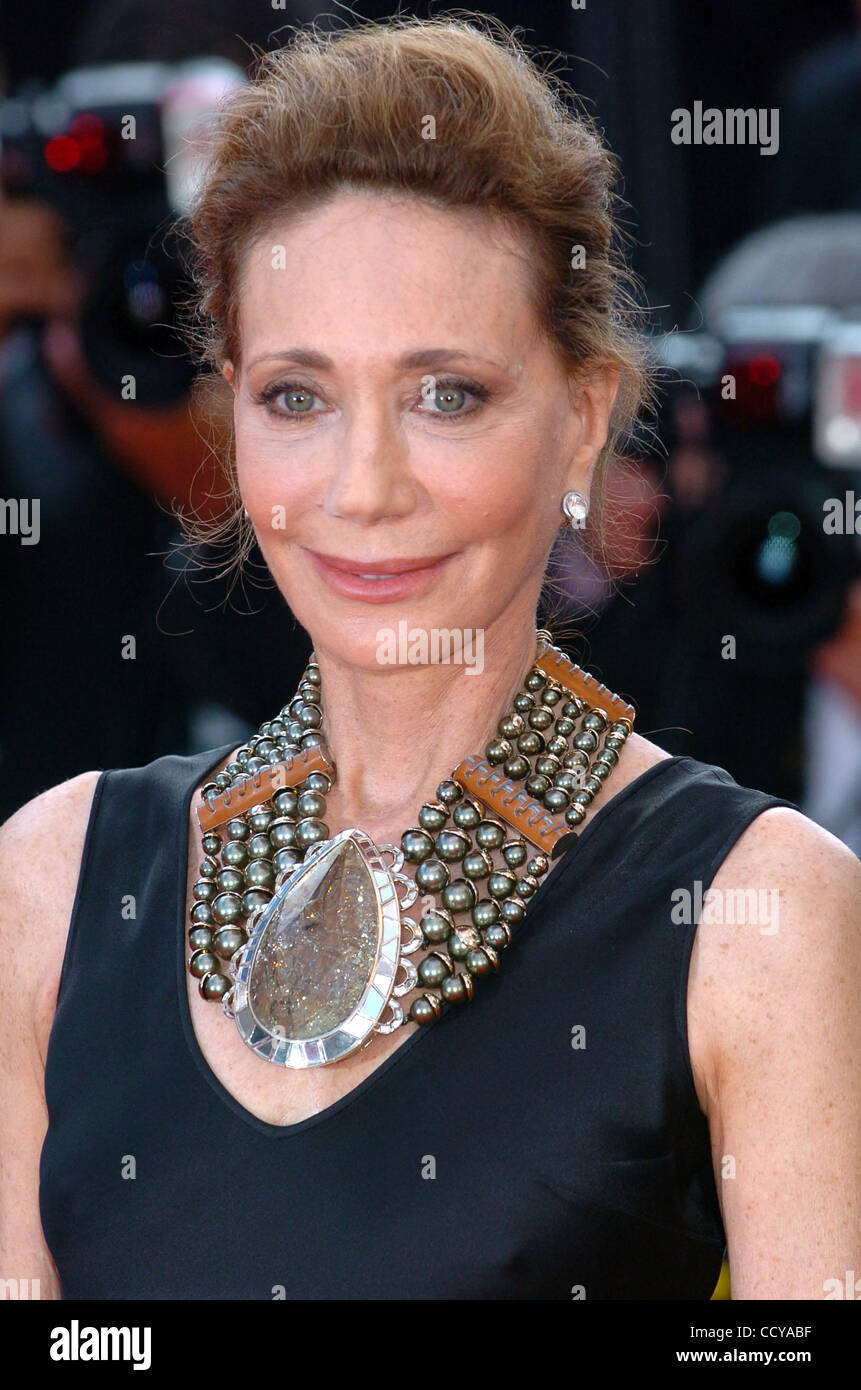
{"x":182,"y":840}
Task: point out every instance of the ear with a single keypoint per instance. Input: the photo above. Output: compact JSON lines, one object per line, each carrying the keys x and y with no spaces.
{"x":227,"y":373}
{"x":593,"y":398}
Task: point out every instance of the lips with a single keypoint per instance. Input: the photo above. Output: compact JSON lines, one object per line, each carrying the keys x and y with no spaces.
{"x":378,"y":581}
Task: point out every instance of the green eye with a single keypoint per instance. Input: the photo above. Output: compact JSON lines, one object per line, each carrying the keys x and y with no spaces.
{"x":449,"y":399}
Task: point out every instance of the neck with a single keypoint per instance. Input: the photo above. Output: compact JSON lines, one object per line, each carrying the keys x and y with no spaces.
{"x":396,"y":732}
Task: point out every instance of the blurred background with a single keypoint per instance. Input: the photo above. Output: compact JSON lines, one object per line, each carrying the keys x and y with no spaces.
{"x":728,"y":606}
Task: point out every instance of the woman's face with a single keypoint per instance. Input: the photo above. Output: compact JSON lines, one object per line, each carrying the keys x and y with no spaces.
{"x":398,"y":414}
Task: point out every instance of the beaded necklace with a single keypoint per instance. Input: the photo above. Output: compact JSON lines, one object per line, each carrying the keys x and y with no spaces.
{"x":305,"y":938}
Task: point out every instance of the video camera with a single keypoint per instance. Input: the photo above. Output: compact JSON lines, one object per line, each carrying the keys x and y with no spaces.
{"x":771,"y":557}
{"x":117,"y":151}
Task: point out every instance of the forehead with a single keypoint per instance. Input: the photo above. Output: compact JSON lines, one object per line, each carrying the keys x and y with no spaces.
{"x":387,"y":268}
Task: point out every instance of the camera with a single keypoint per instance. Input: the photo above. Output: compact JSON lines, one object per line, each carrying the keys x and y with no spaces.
{"x":117,"y":150}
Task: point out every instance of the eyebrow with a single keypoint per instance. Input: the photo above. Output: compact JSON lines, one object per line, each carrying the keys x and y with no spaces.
{"x":421,"y":357}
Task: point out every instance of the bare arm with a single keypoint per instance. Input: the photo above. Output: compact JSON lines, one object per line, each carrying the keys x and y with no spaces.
{"x":40,"y":858}
{"x":775,"y":1011}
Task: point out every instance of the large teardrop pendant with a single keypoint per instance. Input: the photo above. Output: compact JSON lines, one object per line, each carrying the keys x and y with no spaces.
{"x":313,"y":980}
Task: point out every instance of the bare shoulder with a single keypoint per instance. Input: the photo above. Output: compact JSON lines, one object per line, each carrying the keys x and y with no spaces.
{"x":47,"y":835}
{"x":774,"y":1022}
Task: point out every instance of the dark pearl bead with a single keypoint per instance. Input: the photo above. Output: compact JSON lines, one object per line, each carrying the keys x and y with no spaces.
{"x":416,"y":846}
{"x":477,"y":864}
{"x":501,"y":885}
{"x":607,"y":755}
{"x":548,"y":765}
{"x":201,"y":914}
{"x":514,"y":854}
{"x":516,"y":767}
{"x":260,"y":820}
{"x":452,"y":845}
{"x":432,"y":875}
{"x":458,"y":896}
{"x":498,"y":936}
{"x":255,"y":765}
{"x":310,"y":832}
{"x":537,"y":785}
{"x":551,"y":696}
{"x":456,"y":989}
{"x":572,"y":709}
{"x":214,"y":986}
{"x":564,"y":727}
{"x":527,"y":886}
{"x":425,"y":1009}
{"x":555,"y":799}
{"x":489,"y":834}
{"x":485,"y":913}
{"x":285,"y":802}
{"x":523,"y":702}
{"x":212,"y":844}
{"x":310,"y":717}
{"x":539,"y":718}
{"x":260,"y":874}
{"x":557,"y":747}
{"x":227,"y":909}
{"x":575,"y":814}
{"x":510,"y":726}
{"x":576,"y":759}
{"x":228,"y":941}
{"x":318,"y":782}
{"x":498,"y":751}
{"x":286,"y":859}
{"x":282,"y":834}
{"x":432,"y":817}
{"x":479,"y":962}
{"x":205,"y":890}
{"x":599,"y":772}
{"x":466,"y":815}
{"x":535,"y":681}
{"x":569,"y":781}
{"x":538,"y":865}
{"x":254,"y":899}
{"x":202,"y":962}
{"x":208,"y":868}
{"x":433,"y":970}
{"x":581,"y":797}
{"x":260,"y":846}
{"x":436,"y":927}
{"x":449,"y":792}
{"x":230,"y":881}
{"x":595,"y":720}
{"x":238,"y":830}
{"x":592,"y":784}
{"x":311,"y":804}
{"x":512,"y":911}
{"x":462,"y":941}
{"x":312,"y":673}
{"x":530,"y":743}
{"x":200,"y":938}
{"x":314,"y":739}
{"x":587,"y":741}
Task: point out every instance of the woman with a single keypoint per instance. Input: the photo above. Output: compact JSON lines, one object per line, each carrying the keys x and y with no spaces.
{"x":545,"y":1082}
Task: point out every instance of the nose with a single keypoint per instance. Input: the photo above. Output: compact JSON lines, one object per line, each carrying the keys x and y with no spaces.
{"x":371,"y":478}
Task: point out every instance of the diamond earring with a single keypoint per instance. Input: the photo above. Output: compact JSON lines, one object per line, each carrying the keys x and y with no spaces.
{"x":575,"y":508}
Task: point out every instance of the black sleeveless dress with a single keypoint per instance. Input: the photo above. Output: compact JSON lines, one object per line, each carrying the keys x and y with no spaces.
{"x":544,"y":1142}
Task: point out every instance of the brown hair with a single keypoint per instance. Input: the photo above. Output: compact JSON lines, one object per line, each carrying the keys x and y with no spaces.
{"x":347,"y":109}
